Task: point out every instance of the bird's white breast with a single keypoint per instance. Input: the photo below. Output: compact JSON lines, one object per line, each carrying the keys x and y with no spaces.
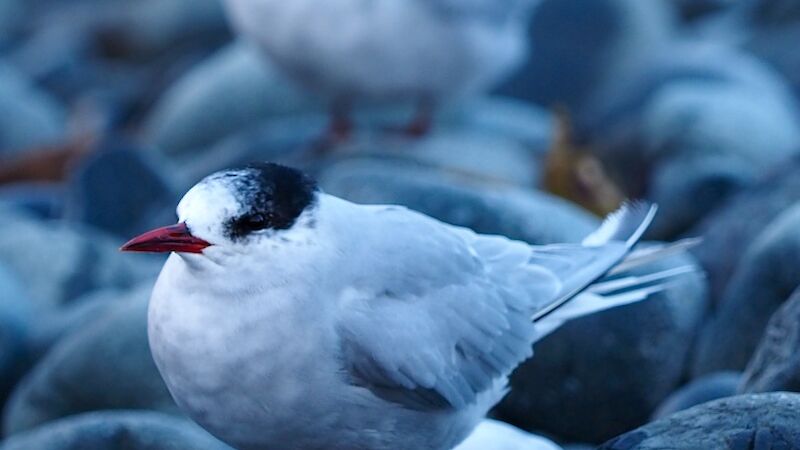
{"x":233,"y":353}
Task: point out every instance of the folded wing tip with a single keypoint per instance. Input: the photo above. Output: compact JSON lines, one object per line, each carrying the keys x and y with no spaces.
{"x":627,"y":224}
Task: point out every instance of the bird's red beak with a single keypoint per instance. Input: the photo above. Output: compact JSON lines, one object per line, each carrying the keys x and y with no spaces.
{"x":174,"y":238}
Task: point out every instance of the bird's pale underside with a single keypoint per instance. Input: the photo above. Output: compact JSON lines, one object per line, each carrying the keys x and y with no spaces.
{"x":363,"y":327}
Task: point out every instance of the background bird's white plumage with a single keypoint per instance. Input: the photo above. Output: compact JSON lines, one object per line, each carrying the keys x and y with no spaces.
{"x":372,"y":50}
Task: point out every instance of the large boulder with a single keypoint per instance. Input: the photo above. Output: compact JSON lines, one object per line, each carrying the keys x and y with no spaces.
{"x":117,"y":430}
{"x":744,"y":422}
{"x":105,"y":365}
{"x":603,"y":374}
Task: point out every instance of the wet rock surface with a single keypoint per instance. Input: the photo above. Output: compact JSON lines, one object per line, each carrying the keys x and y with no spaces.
{"x":775,"y":365}
{"x":748,"y":421}
{"x":119,"y":430}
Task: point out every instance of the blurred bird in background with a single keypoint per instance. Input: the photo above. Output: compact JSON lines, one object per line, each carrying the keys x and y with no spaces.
{"x":354,"y":51}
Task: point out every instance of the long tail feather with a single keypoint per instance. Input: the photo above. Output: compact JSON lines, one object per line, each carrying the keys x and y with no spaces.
{"x":613,"y":285}
{"x":644,"y":256}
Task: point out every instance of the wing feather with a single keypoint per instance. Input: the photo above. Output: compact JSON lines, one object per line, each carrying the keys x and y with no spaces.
{"x":462,"y":320}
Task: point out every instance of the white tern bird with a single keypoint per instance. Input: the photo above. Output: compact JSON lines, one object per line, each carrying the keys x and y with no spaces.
{"x":287,"y":318}
{"x":379,"y":51}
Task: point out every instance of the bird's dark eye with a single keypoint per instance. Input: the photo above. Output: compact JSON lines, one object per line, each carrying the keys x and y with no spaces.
{"x":255,"y":222}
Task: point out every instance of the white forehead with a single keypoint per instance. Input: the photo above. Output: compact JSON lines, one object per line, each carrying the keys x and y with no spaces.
{"x":207,"y":206}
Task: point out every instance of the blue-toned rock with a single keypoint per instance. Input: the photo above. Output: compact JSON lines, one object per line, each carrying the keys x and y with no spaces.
{"x":766,"y":421}
{"x":728,"y":232}
{"x":687,"y":187}
{"x":237,"y":93}
{"x":766,"y":28}
{"x":16,"y":320}
{"x":695,"y":9}
{"x":59,"y":262}
{"x":526,"y":215}
{"x":689,"y":128}
{"x":29,"y":117}
{"x":578,"y":45}
{"x":117,"y":430}
{"x":502,"y":117}
{"x":775,"y":365}
{"x":43,"y":200}
{"x":489,"y":138}
{"x":12,"y":15}
{"x":48,"y":329}
{"x":713,"y":140}
{"x":153,"y":27}
{"x":764,"y":278}
{"x":121,"y":191}
{"x":601,"y":375}
{"x":104,"y":365}
{"x":699,"y":391}
{"x":233,"y":90}
{"x":291,"y":141}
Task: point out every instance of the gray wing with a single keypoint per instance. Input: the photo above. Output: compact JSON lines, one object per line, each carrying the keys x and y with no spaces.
{"x":448,"y":335}
{"x":443,"y":340}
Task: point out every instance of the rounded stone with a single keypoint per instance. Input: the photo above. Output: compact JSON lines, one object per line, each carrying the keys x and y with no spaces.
{"x":699,"y":391}
{"x":729,"y":231}
{"x":29,"y":117}
{"x":761,"y":421}
{"x":105,"y":365}
{"x":59,"y":262}
{"x":527,"y":215}
{"x":101,"y":192}
{"x":603,"y":374}
{"x":775,"y":365}
{"x":118,"y":430}
{"x":577,"y":45}
{"x":232,"y":90}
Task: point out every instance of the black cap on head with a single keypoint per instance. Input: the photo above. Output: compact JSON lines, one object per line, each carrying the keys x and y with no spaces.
{"x":273,"y":197}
